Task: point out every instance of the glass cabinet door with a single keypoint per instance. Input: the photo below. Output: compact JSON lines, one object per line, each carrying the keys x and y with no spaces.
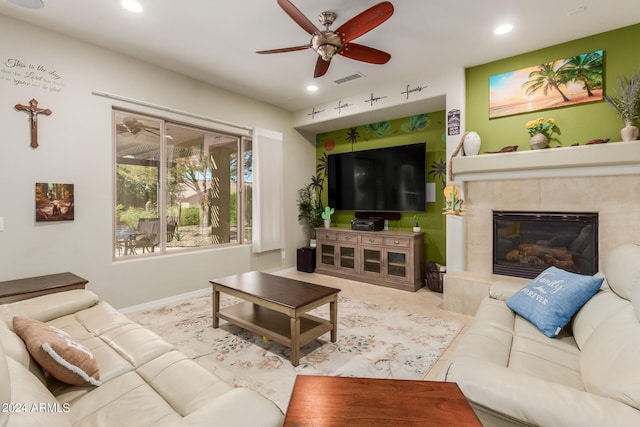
{"x":327,"y":254}
{"x":372,"y":261}
{"x":397,"y":264}
{"x":347,"y":257}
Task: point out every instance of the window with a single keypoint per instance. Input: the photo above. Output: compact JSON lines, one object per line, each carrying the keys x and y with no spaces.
{"x":178,"y":187}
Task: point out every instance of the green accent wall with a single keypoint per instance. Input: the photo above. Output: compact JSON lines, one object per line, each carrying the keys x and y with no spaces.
{"x":578,"y":123}
{"x":429,"y":128}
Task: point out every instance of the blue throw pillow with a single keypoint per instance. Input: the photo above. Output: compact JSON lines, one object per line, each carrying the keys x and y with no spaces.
{"x":552,"y":298}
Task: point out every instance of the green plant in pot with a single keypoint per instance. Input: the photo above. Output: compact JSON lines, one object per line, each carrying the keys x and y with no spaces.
{"x":416,"y":224}
{"x":309,"y":211}
{"x":627,"y":104}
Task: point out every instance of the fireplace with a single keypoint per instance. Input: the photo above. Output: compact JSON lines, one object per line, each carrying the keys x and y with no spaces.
{"x":526,"y":243}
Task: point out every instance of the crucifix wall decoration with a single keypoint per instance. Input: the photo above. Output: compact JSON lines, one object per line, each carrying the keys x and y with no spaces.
{"x":33,"y":111}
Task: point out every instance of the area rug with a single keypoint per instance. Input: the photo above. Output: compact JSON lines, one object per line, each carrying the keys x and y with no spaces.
{"x":374,"y":341}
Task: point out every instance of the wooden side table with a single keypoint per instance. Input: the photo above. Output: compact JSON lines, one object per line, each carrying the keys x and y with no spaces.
{"x":21,"y":289}
{"x":341,"y":401}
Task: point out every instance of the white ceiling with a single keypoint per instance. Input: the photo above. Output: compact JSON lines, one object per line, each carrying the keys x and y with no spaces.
{"x":215,"y":40}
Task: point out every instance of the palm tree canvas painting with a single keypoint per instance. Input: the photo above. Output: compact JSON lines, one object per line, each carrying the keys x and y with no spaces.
{"x":569,"y":81}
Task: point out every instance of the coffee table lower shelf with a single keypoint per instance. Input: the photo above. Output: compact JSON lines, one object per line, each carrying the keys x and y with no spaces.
{"x":274,"y":325}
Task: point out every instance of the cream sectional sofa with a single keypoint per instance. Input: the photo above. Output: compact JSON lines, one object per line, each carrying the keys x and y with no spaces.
{"x":588,"y":375}
{"x":144,"y":381}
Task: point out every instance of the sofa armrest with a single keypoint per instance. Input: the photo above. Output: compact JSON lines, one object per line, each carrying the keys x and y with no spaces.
{"x":535,"y":401}
{"x":502,"y":290}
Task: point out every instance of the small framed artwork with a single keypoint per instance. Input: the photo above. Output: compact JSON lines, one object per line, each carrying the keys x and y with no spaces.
{"x":54,"y":202}
{"x":560,"y":83}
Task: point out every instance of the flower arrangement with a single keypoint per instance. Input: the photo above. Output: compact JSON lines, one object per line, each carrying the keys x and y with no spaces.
{"x":540,"y":125}
{"x":627,"y":103}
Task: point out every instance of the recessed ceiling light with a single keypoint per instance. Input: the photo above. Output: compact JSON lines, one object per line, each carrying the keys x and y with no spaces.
{"x":503,"y":29}
{"x":312,"y":88}
{"x":29,"y":4}
{"x":131,"y":6}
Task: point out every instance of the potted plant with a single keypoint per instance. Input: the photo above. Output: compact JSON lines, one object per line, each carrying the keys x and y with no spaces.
{"x":309,"y":212}
{"x":416,"y":224}
{"x":541,"y":131}
{"x":627,"y":104}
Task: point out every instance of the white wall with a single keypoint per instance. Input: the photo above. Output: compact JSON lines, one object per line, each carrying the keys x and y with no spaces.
{"x":76,"y":147}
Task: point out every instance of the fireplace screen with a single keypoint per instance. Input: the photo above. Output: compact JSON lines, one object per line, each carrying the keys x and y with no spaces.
{"x":526,"y":243}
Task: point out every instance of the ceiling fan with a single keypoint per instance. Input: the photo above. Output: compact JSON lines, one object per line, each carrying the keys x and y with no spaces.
{"x":134,"y":126}
{"x":328,"y":43}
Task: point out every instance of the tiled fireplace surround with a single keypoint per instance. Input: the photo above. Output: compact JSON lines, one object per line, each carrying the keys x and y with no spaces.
{"x":602,"y":178}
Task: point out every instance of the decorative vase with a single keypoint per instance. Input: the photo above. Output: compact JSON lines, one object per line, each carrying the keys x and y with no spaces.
{"x":471,"y":144}
{"x":538,"y":141}
{"x":327,"y":223}
{"x":629,"y":132}
{"x":416,"y":229}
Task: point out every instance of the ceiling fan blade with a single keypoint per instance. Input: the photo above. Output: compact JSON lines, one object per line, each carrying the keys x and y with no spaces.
{"x":364,"y":53}
{"x":321,"y":67}
{"x":298,"y":17}
{"x":365,"y":21}
{"x":285,"y":49}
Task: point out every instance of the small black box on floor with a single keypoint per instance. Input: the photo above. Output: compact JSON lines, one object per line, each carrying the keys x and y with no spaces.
{"x":307,"y":259}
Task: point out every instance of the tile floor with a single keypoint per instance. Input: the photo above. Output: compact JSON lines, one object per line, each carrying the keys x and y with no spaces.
{"x":424,"y":301}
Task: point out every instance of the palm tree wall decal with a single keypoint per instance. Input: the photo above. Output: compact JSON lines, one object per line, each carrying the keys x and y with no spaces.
{"x":353,"y":136}
{"x":439,"y":171}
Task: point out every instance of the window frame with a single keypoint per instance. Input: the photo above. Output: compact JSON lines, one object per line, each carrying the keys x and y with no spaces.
{"x":242,"y":140}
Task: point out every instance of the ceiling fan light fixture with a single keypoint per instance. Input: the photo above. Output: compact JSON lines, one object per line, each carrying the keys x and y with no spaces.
{"x":326,"y":51}
{"x":326,"y":44}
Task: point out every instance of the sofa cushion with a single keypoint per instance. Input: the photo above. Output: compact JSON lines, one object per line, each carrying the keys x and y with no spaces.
{"x":55,"y":350}
{"x":126,"y":400}
{"x":604,"y":304}
{"x":609,"y":359}
{"x":622,"y":269}
{"x":5,"y":386}
{"x":556,"y":360}
{"x":552,"y":298}
{"x":33,"y":404}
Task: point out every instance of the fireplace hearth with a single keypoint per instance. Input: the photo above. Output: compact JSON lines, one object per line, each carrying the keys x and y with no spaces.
{"x":527,"y":243}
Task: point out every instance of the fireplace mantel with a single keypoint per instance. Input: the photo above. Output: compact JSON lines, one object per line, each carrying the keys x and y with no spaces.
{"x":618,"y":158}
{"x":600,"y":178}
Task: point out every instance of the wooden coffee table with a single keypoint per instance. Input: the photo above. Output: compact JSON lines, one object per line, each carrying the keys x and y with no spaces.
{"x":342,"y":401}
{"x":276,"y":307}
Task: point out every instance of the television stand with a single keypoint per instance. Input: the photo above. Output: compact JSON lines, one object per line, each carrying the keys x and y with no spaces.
{"x":387,"y":258}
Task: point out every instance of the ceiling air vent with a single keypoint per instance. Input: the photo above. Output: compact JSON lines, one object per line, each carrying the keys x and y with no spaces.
{"x":349,"y":78}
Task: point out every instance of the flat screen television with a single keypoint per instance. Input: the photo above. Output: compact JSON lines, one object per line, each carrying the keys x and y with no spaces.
{"x":379,"y":180}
